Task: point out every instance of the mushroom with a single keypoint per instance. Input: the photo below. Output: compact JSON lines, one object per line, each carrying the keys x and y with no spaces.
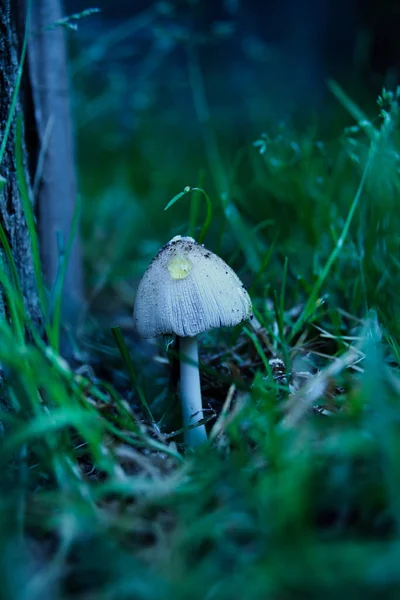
{"x":187,"y":290}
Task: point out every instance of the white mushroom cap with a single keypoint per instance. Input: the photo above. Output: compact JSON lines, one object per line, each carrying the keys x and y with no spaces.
{"x":187,"y":290}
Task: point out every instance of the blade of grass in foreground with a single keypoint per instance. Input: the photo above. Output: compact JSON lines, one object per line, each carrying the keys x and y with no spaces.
{"x":17,"y":84}
{"x":55,"y":302}
{"x":13,"y":288}
{"x":260,"y":353}
{"x":14,"y":304}
{"x":11,"y":262}
{"x":312,"y":304}
{"x":29,"y":216}
{"x":122,"y":347}
{"x":45,"y":425}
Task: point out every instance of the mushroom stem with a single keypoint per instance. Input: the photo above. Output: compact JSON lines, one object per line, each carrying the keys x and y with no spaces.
{"x":192,"y":408}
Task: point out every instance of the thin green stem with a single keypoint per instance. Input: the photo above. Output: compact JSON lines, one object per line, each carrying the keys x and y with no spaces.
{"x":208,"y":218}
{"x":17,"y":85}
{"x":122,"y":347}
{"x":311,"y":303}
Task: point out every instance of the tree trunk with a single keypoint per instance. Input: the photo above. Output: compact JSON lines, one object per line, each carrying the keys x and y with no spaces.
{"x":54,"y":170}
{"x":11,"y":212}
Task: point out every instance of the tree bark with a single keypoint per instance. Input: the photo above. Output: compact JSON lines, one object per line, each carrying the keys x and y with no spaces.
{"x":11,"y":212}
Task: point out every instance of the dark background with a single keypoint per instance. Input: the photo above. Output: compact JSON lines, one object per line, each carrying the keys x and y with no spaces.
{"x":292,"y":43}
{"x":264,"y":68}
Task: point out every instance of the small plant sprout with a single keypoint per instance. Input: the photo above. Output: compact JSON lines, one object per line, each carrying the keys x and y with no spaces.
{"x":185,"y":291}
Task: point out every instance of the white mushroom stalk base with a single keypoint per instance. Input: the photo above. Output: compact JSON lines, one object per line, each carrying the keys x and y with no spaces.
{"x":192,"y":408}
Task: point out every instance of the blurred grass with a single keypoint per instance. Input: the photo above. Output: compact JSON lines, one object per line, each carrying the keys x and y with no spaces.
{"x":299,"y":493}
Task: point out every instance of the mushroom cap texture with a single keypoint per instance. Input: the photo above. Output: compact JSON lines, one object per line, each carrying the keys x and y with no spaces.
{"x":187,"y":290}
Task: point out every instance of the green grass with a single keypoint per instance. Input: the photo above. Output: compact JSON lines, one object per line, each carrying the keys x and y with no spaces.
{"x":298,"y":492}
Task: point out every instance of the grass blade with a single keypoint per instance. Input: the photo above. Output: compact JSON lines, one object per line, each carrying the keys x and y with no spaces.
{"x":352,"y":108}
{"x":122,"y":347}
{"x":195,"y":205}
{"x":11,"y":262}
{"x":30,"y":217}
{"x":14,"y":99}
{"x":55,"y":302}
{"x":311,"y":304}
{"x":208,"y":219}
